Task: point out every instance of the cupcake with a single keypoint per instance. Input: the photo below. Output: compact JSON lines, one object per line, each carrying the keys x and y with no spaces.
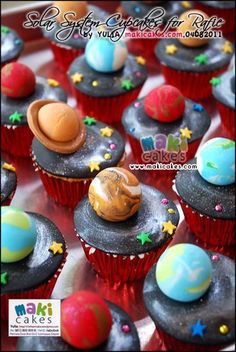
{"x":165,"y":127}
{"x":223,"y":90}
{"x":66,"y":50}
{"x":11,"y":45}
{"x":190,"y":295}
{"x":190,"y":63}
{"x":19,"y":87}
{"x":124,"y":226}
{"x":68,"y":152}
{"x":87,"y":323}
{"x":106,"y":79}
{"x":207,"y":194}
{"x":33,"y":253}
{"x":221,"y":9}
{"x":8,"y":182}
{"x":140,"y":9}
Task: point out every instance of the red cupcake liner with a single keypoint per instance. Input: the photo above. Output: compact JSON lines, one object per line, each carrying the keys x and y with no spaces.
{"x":16,"y":140}
{"x":214,"y":234}
{"x":227,"y":14}
{"x":143,"y":47}
{"x":65,"y":55}
{"x":119,"y":268}
{"x":106,"y":109}
{"x":193,"y":85}
{"x":44,"y":291}
{"x":227,"y":116}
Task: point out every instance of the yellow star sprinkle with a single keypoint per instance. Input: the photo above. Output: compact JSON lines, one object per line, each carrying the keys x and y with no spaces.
{"x":140,"y":60}
{"x":56,"y":248}
{"x":186,"y":4}
{"x":9,"y":167}
{"x":77,"y":77}
{"x":106,"y":132}
{"x":227,"y":48}
{"x":168,"y":227}
{"x":94,"y":165}
{"x":171,"y":49}
{"x":185,"y":132}
{"x":53,"y":82}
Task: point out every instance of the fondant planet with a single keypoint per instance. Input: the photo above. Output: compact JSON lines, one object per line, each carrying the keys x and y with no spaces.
{"x":18,"y":234}
{"x":184,"y":272}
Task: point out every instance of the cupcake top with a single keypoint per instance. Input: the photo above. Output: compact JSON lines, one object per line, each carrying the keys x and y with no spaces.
{"x":106,"y":69}
{"x":8,"y":180}
{"x":210,"y":189}
{"x":11,"y":44}
{"x":165,"y":111}
{"x":223,"y":89}
{"x":219,"y":4}
{"x":110,"y":328}
{"x":121,"y":216}
{"x":17,"y":94}
{"x":74,"y":148}
{"x":32,"y":249}
{"x":189,"y":294}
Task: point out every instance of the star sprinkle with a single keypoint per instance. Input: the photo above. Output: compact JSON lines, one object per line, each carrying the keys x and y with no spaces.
{"x":201,"y":59}
{"x":198,"y":107}
{"x":198,"y":329}
{"x":88,"y":120}
{"x":4,"y":278}
{"x":186,"y":4}
{"x":56,"y":248}
{"x":5,"y":29}
{"x":127,"y":84}
{"x":107,"y":156}
{"x":185,"y":132}
{"x":171,"y":211}
{"x":8,"y":167}
{"x":140,"y":60}
{"x":106,"y":132}
{"x":95,"y":83}
{"x":77,"y":77}
{"x":215,"y":81}
{"x":53,"y":82}
{"x":143,"y":237}
{"x":16,"y":117}
{"x":94,"y":165}
{"x":227,"y":48}
{"x":168,"y":227}
{"x":171,"y":49}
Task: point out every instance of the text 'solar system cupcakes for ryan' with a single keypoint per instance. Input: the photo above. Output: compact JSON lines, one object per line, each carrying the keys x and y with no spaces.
{"x":11,"y":45}
{"x":68,"y":151}
{"x":190,"y":63}
{"x":207,"y":195}
{"x":87,"y":323}
{"x":33,"y":253}
{"x":190,"y":295}
{"x":8,"y":182}
{"x":19,"y":87}
{"x":124,"y":226}
{"x":106,"y":79}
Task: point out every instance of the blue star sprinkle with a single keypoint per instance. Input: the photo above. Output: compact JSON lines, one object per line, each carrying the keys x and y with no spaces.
{"x":198,"y":329}
{"x":198,"y":107}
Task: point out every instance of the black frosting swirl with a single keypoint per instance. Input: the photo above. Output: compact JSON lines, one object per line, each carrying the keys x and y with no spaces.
{"x":8,"y":182}
{"x":11,"y":46}
{"x":225,"y":91}
{"x":219,"y":4}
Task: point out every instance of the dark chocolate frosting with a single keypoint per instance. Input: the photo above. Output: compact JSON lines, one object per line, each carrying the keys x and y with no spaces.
{"x":203,"y":196}
{"x":11,"y":45}
{"x":76,"y":165}
{"x":219,"y":4}
{"x":42,"y":91}
{"x":136,"y":120}
{"x":225,"y":91}
{"x":215,"y":308}
{"x":78,"y":42}
{"x":183,"y":58}
{"x":139,"y":9}
{"x":120,"y":237}
{"x":109,"y":83}
{"x":117,"y":340}
{"x":40,"y":265}
{"x":8,"y":182}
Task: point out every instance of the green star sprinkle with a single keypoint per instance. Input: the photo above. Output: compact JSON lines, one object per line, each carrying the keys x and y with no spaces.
{"x":143,"y":237}
{"x":4,"y":278}
{"x":89,"y":120}
{"x":215,"y":81}
{"x":16,"y":117}
{"x":127,"y":84}
{"x":5,"y":29}
{"x":201,"y":59}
